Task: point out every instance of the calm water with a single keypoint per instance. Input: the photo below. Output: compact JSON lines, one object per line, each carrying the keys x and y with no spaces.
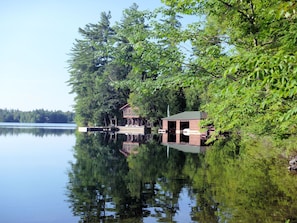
{"x":50,"y":174}
{"x":34,"y":160}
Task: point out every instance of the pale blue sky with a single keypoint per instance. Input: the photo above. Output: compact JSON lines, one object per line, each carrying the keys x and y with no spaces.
{"x":35,"y":38}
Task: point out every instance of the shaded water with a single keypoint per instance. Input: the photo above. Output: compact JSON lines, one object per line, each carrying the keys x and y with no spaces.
{"x":51,"y":174}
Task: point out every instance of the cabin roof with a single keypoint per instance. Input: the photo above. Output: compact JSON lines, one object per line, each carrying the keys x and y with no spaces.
{"x":126,"y":105}
{"x":187,"y":115}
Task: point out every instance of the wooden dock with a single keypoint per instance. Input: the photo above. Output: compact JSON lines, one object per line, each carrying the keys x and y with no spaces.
{"x":118,"y":129}
{"x":132,"y":129}
{"x":98,"y":129}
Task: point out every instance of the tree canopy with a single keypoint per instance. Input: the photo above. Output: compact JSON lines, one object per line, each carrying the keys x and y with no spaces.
{"x":236,"y":61}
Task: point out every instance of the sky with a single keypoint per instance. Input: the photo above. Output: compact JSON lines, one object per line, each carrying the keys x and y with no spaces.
{"x":36,"y":38}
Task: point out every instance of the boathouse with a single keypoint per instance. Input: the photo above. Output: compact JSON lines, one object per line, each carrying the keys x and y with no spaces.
{"x":182,"y":131}
{"x":188,"y":121}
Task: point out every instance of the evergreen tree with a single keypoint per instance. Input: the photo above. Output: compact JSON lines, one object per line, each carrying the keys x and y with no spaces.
{"x":90,"y":59}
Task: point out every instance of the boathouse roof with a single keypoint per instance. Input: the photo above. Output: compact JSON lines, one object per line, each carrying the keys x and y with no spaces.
{"x":187,"y":115}
{"x":186,"y":148}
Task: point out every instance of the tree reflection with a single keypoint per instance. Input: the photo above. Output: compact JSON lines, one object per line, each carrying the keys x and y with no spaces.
{"x":234,"y":181}
{"x":157,"y":179}
{"x":104,"y":184}
{"x":206,"y":207}
{"x":36,"y":131}
{"x":95,"y":177}
{"x":251,"y":184}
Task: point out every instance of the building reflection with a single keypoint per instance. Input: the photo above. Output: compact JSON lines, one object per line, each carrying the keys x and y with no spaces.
{"x":192,"y":143}
{"x":132,"y":142}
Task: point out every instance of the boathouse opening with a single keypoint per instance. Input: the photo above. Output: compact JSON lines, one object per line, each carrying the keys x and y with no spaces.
{"x":184,"y":125}
{"x":171,"y":127}
{"x":184,"y":138}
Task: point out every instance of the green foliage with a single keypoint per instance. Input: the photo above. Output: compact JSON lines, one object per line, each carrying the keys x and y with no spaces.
{"x":252,"y":87}
{"x":141,"y":60}
{"x":240,"y":65}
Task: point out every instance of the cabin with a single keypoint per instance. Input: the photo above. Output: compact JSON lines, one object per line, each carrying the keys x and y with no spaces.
{"x":134,"y":124}
{"x":131,"y":116}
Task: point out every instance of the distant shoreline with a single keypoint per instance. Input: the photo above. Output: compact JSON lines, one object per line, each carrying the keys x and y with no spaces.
{"x":37,"y":125}
{"x":36,"y":116}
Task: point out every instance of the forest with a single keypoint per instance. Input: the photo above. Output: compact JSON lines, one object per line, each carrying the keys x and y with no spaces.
{"x":236,"y":60}
{"x":36,"y":116}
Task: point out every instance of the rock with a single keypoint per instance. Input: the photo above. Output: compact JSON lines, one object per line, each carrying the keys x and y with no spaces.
{"x":293,"y":164}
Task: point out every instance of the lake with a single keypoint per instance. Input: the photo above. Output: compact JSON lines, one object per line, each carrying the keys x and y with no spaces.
{"x":34,"y":160}
{"x":50,"y":173}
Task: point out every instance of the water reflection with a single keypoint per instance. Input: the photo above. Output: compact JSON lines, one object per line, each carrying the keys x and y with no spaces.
{"x":34,"y":129}
{"x":132,"y":178}
{"x":104,"y":183}
{"x":251,"y":182}
{"x":193,"y":143}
